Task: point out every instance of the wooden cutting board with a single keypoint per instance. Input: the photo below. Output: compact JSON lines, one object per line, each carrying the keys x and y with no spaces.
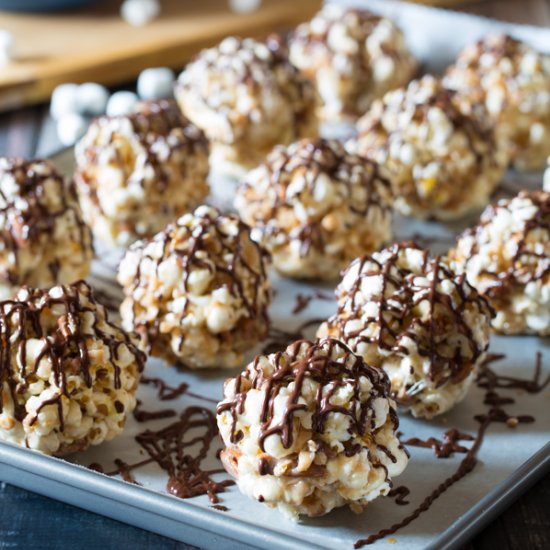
{"x":95,"y":44}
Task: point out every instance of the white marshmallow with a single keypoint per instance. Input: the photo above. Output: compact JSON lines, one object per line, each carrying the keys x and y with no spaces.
{"x":156,"y":83}
{"x":70,"y":128}
{"x":121,"y":103}
{"x":92,"y":99}
{"x":6,"y":47}
{"x":244,"y":6}
{"x":64,"y":100}
{"x":139,"y":12}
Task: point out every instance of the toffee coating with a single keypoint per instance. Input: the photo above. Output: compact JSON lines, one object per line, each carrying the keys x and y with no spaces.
{"x":44,"y":240}
{"x":441,"y":155}
{"x":137,"y":172}
{"x":412,"y":316}
{"x":197,"y":292}
{"x":311,"y":428}
{"x":315,"y":207}
{"x":68,"y":375}
{"x":507,"y":258}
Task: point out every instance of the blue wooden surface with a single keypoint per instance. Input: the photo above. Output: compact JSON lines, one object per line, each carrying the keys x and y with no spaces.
{"x":31,"y":522}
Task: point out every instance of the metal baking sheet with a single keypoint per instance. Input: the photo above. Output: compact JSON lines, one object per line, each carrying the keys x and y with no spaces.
{"x":509,"y":461}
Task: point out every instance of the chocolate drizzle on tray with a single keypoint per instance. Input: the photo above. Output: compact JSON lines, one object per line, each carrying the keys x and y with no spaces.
{"x":400,"y":494}
{"x":167,"y":393}
{"x":179,"y":449}
{"x":171,"y":447}
{"x":145,"y":416}
{"x":445,"y":448}
{"x":489,"y":380}
{"x":302,"y":301}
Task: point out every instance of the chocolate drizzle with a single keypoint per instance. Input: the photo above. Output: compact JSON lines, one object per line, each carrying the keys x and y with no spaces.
{"x":125,"y":471}
{"x":305,"y":360}
{"x":168,"y":393}
{"x":65,"y":342}
{"x":29,"y":219}
{"x":400,"y":494}
{"x":179,"y":449}
{"x":445,"y":448}
{"x":236,"y":261}
{"x":220,"y":507}
{"x":302,"y":301}
{"x":360,"y":183}
{"x":145,"y":416}
{"x":171,"y":448}
{"x":395,"y":320}
{"x":529,"y":262}
{"x":490,"y":381}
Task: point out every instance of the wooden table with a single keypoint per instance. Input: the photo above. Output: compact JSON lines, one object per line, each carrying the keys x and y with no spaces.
{"x":29,"y":521}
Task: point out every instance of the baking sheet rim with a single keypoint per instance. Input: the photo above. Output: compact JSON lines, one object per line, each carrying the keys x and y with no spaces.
{"x":155,"y":504}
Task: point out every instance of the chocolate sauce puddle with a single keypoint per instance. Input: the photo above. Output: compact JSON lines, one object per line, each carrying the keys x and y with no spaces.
{"x":180,"y":448}
{"x":490,"y":381}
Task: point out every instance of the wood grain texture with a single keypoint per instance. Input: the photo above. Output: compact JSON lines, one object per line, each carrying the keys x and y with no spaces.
{"x":96,"y":44}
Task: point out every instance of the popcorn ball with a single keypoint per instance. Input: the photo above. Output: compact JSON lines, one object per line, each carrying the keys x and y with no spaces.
{"x":507,"y":258}
{"x":44,"y":240}
{"x":68,"y":376}
{"x":198,"y":292}
{"x":137,"y":172}
{"x":352,"y":56}
{"x":442,"y":161}
{"x":414,"y":317}
{"x":310,"y":429}
{"x":513,"y":80}
{"x":316,"y":207}
{"x":247,"y":98}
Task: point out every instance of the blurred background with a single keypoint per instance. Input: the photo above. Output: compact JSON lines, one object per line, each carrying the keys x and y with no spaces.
{"x":46,"y":43}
